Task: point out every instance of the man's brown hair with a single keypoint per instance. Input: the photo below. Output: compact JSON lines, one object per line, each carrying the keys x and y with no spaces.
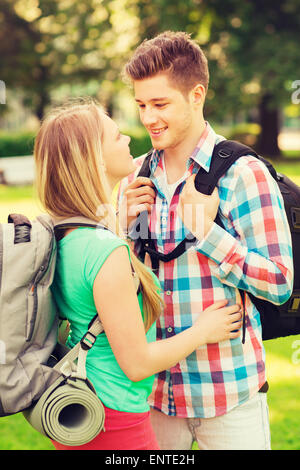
{"x":174,"y":53}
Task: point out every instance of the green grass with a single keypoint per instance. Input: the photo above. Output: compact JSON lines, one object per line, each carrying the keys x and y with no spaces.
{"x":17,"y":434}
{"x":282,"y":372}
{"x":18,"y":199}
{"x":16,"y":193}
{"x":291,"y":154}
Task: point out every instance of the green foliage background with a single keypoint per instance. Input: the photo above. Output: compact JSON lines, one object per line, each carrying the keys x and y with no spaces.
{"x":21,"y":143}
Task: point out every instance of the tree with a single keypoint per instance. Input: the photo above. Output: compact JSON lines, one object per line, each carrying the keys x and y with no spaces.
{"x":63,"y":42}
{"x":18,"y":64}
{"x":263,"y":50}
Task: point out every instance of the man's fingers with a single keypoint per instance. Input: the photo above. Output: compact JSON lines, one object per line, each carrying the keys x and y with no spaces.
{"x":140,"y":181}
{"x":134,"y":211}
{"x":235,"y":317}
{"x":145,"y":199}
{"x":189,"y":182}
{"x":191,"y":178}
{"x":218,"y":304}
{"x":140,"y":191}
{"x":235,"y":334}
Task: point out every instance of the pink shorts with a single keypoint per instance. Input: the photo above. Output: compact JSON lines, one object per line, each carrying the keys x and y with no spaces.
{"x":123,"y":431}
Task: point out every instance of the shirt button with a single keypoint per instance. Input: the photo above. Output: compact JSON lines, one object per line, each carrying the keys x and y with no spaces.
{"x":169,"y":329}
{"x":168,"y":292}
{"x":164,"y":219}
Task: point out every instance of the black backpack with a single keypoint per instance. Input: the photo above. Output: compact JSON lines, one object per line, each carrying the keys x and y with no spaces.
{"x":277,"y":321}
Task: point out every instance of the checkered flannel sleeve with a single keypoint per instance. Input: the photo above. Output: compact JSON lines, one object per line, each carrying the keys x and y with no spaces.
{"x":254,"y":253}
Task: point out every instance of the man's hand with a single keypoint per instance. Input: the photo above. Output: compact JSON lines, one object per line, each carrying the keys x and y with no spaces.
{"x":197,"y":211}
{"x":138,"y":197}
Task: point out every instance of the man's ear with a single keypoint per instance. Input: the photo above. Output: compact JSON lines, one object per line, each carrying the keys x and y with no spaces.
{"x":198,"y":94}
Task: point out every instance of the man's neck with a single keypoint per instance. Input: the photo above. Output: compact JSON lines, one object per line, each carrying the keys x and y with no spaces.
{"x":176,"y":157}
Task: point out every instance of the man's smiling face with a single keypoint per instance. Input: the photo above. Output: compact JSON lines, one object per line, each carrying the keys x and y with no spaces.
{"x":165,"y":111}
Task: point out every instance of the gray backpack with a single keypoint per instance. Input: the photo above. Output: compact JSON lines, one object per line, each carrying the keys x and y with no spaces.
{"x":29,"y":351}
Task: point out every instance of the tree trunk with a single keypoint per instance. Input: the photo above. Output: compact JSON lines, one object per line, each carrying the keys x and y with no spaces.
{"x":269,"y":118}
{"x":42,"y":93}
{"x":42,"y":101}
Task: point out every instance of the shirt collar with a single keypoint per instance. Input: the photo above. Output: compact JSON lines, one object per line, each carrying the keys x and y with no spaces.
{"x":203,"y":151}
{"x":201,"y":154}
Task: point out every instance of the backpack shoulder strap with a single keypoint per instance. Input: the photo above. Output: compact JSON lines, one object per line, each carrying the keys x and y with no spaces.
{"x":224,"y":155}
{"x":62,"y":224}
{"x":145,"y":168}
{"x":75,"y":222}
{"x":79,"y":352}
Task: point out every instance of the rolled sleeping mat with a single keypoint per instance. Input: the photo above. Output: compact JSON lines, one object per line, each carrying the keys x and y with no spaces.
{"x":68,"y":412}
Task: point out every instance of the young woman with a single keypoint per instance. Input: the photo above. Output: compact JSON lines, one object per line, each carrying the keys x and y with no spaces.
{"x":80,"y":156}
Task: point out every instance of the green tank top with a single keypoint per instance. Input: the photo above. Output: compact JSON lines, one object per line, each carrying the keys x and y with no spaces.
{"x":80,"y":256}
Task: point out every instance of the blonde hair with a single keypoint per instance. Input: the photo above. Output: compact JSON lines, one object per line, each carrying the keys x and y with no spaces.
{"x":71,"y":181}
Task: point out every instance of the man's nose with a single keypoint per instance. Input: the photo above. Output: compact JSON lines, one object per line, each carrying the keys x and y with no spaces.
{"x":149,"y":117}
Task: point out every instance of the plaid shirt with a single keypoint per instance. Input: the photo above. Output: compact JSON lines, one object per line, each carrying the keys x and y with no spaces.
{"x":253,"y":252}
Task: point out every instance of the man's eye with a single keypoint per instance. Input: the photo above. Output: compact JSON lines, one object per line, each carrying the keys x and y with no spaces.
{"x":161,"y":105}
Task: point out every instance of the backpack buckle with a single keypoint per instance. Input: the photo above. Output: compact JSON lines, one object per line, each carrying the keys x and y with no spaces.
{"x":88,"y":340}
{"x":294,"y":303}
{"x":295,"y":213}
{"x":224,"y":153}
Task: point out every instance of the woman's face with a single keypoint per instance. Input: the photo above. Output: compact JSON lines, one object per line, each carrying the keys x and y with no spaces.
{"x":116,"y":153}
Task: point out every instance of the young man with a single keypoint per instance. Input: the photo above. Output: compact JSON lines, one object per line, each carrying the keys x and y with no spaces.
{"x":214,"y":396}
